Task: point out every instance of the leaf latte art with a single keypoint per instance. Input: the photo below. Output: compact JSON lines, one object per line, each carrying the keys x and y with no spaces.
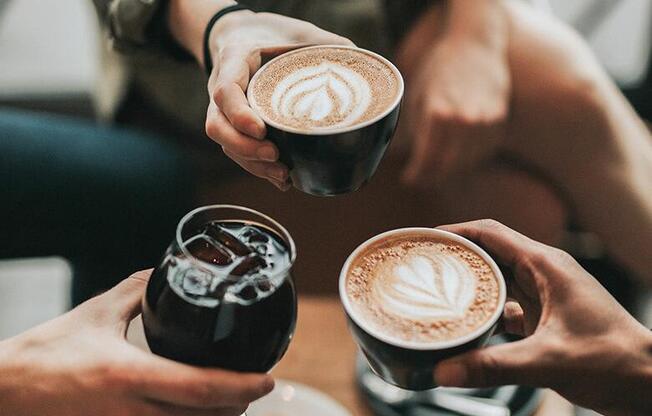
{"x":327,"y":94}
{"x":426,"y":286}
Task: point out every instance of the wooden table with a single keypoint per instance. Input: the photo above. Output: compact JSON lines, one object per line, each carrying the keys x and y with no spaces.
{"x":322,"y":355}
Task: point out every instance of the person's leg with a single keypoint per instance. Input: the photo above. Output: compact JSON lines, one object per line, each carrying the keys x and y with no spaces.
{"x":106,"y":199}
{"x":570,"y":121}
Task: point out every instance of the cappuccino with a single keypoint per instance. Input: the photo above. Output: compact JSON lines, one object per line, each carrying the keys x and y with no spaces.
{"x":421,"y":288}
{"x":324,"y":89}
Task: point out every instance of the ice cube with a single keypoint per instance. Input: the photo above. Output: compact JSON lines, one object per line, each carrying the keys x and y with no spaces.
{"x":228,"y":240}
{"x":205,"y":250}
{"x":248,"y":265}
{"x":264,"y":285}
{"x":196,"y":282}
{"x":253,"y":235}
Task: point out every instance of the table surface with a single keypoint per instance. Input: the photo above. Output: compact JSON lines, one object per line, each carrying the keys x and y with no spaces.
{"x":322,"y":355}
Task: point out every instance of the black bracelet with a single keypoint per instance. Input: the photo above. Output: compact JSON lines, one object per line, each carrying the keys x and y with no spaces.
{"x":208,"y":61}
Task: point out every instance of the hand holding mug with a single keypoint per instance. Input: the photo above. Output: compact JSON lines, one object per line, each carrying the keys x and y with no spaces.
{"x":238,"y":42}
{"x":579,"y":340}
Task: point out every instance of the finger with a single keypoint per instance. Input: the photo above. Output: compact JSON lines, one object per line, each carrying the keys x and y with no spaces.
{"x":219,"y":128}
{"x":183,"y":385}
{"x":229,"y":91}
{"x":513,"y":319}
{"x":510,"y":247}
{"x":322,"y":37}
{"x":512,"y":363}
{"x":118,"y":306}
{"x":274,"y":171}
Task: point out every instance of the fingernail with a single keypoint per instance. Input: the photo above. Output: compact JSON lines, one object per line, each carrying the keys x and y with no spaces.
{"x":267,"y":153}
{"x":451,"y":373}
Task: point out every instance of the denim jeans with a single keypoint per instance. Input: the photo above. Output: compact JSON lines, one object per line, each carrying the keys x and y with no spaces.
{"x":106,"y":199}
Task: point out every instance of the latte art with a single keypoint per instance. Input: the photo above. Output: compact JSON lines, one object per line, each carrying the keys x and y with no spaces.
{"x":421,"y":288}
{"x":328,"y":91}
{"x":427,"y":287}
{"x":323,"y":88}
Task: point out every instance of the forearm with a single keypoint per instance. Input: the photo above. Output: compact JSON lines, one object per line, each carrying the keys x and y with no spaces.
{"x":187,"y":20}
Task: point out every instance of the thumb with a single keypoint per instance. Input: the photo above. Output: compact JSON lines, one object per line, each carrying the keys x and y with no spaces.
{"x":119,"y":305}
{"x":512,"y":363}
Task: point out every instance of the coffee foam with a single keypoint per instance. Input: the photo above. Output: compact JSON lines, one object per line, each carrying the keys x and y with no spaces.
{"x":421,"y":289}
{"x":324,"y":88}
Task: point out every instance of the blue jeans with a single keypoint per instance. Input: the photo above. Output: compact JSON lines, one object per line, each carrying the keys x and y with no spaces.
{"x":106,"y":199}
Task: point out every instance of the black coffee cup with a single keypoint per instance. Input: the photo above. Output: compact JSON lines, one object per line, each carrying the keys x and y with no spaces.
{"x":337,"y":161}
{"x":411,"y":365}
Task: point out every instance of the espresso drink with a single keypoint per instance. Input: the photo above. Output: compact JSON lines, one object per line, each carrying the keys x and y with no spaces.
{"x":331,"y":111}
{"x":241,"y":322}
{"x":323,"y":89}
{"x":422,"y":289}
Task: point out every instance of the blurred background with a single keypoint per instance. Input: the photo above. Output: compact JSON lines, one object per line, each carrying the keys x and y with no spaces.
{"x":54,"y":59}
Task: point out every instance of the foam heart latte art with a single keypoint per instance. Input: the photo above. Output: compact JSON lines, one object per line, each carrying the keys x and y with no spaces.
{"x":324,"y":88}
{"x":426,"y":286}
{"x":420,"y":288}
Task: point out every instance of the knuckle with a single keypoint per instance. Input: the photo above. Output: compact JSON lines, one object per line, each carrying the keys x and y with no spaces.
{"x":440,"y":113}
{"x":239,"y":117}
{"x":561,"y":258}
{"x":220,"y":92}
{"x":212,"y":129}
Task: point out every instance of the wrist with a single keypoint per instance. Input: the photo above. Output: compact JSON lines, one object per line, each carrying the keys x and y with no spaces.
{"x":225,"y":28}
{"x":481,"y":22}
{"x":187,"y":22}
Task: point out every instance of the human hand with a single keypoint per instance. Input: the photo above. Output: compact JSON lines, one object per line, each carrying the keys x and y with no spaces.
{"x":579,"y":340}
{"x":457,"y":97}
{"x":81,"y":364}
{"x":239,"y":41}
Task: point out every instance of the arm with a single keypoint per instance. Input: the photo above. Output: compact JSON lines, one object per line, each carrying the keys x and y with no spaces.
{"x":578,"y":339}
{"x":238,"y":43}
{"x":188,"y":19}
{"x":81,"y":364}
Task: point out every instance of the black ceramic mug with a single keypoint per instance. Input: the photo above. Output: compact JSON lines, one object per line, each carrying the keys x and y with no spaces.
{"x":411,"y":365}
{"x":339,"y":160}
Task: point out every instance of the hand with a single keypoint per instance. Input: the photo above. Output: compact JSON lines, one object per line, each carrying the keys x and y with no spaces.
{"x":579,"y":340}
{"x":239,"y":41}
{"x":80,"y":364}
{"x":457,"y":98}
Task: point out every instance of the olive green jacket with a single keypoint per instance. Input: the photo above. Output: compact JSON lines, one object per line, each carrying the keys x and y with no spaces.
{"x":178,"y":86}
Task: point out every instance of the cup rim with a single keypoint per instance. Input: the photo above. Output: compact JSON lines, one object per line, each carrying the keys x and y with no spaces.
{"x":435,"y":345}
{"x":205,"y":265}
{"x":325,"y":132}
